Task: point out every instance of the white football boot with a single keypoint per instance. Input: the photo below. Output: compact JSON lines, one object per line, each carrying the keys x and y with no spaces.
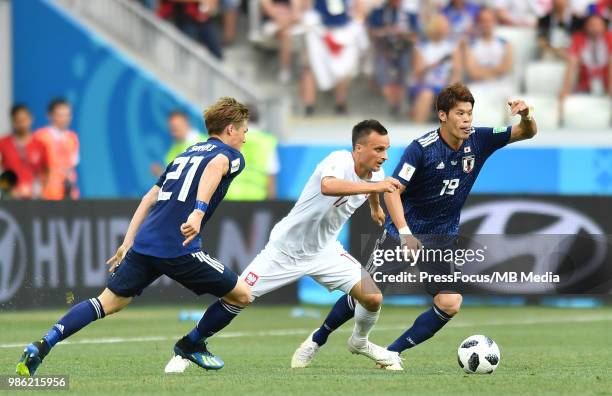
{"x":382,"y":356}
{"x":305,"y":352}
{"x":176,"y":365}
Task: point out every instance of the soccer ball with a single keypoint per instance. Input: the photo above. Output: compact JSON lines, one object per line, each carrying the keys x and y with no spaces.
{"x":478,"y":354}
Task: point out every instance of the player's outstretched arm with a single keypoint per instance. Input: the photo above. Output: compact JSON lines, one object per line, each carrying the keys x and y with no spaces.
{"x":146,"y":203}
{"x":376,"y":211}
{"x":396,"y":211}
{"x":526,"y":128}
{"x":335,"y":187}
{"x":209,"y":181}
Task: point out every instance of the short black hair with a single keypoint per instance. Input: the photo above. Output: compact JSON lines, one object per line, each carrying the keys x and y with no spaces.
{"x":55,"y":103}
{"x":9,"y":177}
{"x":178,"y":113}
{"x":451,"y":95}
{"x":365,"y":127}
{"x":16,"y":108}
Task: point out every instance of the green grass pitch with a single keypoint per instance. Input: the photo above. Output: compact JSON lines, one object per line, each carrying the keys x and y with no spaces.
{"x":545,"y":351}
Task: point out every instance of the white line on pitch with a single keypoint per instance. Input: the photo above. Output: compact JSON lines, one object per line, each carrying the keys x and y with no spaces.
{"x":287,"y":332}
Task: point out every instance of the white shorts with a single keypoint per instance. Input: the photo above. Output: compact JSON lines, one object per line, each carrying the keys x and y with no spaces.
{"x":272,"y":269}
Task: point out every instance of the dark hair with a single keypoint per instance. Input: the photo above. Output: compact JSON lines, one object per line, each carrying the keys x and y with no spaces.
{"x":365,"y":127}
{"x":178,"y":113}
{"x":16,"y":108}
{"x":9,"y":177}
{"x":55,"y":103}
{"x":451,"y":95}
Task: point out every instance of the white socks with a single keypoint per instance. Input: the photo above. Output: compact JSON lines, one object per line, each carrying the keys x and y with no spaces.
{"x":364,"y":322}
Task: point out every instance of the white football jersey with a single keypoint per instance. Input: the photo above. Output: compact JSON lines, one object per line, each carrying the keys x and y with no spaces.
{"x":316,"y":219}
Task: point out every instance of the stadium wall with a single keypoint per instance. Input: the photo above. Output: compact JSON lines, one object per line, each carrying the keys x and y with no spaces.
{"x":54,"y":253}
{"x":5,"y":65}
{"x":543,"y":170}
{"x":119,"y":108}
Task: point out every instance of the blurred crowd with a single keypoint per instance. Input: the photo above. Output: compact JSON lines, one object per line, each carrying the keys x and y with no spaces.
{"x":410,"y":49}
{"x":42,"y":164}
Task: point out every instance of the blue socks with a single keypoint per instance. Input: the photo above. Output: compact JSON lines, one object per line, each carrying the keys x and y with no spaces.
{"x":216,"y":317}
{"x":424,"y":327}
{"x":78,"y":317}
{"x":341,"y":312}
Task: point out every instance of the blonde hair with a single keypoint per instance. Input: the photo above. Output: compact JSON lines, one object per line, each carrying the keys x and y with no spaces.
{"x":224,"y":112}
{"x":435,"y":24}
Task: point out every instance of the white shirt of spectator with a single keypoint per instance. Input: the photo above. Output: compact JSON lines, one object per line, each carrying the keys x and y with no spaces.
{"x":432,"y":52}
{"x":490,"y":53}
{"x":316,"y":219}
{"x":522,"y":11}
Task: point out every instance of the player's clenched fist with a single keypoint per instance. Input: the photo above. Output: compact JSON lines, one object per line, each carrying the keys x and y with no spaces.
{"x":191,"y":228}
{"x":388,"y":185}
{"x":519,"y":107}
{"x":410,"y":245}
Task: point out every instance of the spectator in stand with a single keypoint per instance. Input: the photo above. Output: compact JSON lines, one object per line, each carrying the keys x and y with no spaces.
{"x":150,"y":4}
{"x":24,"y":155}
{"x":183,"y":136}
{"x":334,"y":43}
{"x":590,"y":57}
{"x":462,"y":16}
{"x":489,"y":59}
{"x":283,"y":16}
{"x":555,"y":30}
{"x":257,"y":182}
{"x":194,"y":18}
{"x":519,"y":13}
{"x":229,"y":9}
{"x":8,"y":182}
{"x":436,"y":63}
{"x":62,"y":147}
{"x":393,"y":32}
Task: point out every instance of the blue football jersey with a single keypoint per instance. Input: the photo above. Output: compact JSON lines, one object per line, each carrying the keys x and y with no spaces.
{"x":439,"y":179}
{"x":160,"y":234}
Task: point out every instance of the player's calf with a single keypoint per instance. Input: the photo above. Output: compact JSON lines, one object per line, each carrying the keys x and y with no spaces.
{"x":81,"y":315}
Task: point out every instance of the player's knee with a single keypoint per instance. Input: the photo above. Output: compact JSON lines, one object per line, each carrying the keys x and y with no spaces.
{"x":240,"y":295}
{"x":372,"y":302}
{"x":112,"y":303}
{"x":449,"y":303}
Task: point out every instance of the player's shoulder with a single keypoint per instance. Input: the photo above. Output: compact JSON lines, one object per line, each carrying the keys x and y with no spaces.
{"x":426,"y":140}
{"x":339,"y":156}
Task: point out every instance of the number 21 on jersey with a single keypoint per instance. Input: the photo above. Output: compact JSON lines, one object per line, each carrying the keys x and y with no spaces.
{"x":181,"y":163}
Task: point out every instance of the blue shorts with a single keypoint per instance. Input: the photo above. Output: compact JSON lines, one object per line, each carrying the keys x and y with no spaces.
{"x":388,"y":242}
{"x":198,"y":272}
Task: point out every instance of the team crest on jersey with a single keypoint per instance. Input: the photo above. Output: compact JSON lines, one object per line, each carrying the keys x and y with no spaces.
{"x":251,"y":279}
{"x":468,"y":163}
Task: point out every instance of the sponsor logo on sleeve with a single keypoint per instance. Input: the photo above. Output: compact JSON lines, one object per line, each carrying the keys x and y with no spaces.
{"x":499,"y":129}
{"x":235,"y":165}
{"x":407,"y":171}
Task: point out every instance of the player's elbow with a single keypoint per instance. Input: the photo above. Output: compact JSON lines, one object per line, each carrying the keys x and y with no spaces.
{"x":326,"y":189}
